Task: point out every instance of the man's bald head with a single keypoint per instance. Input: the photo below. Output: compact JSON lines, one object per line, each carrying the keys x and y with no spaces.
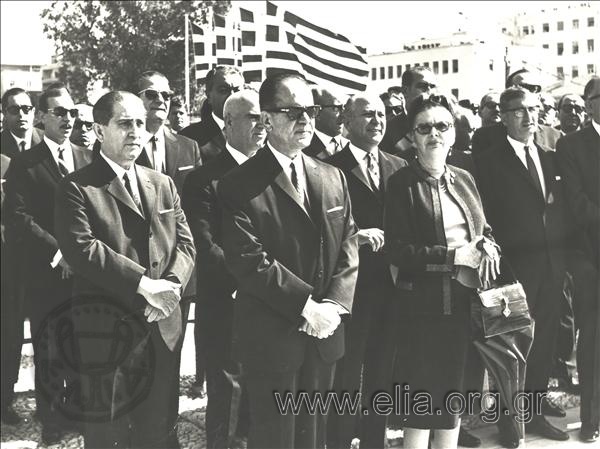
{"x":489,"y":110}
{"x":243,"y":128}
{"x":364,"y":119}
{"x":332,"y":104}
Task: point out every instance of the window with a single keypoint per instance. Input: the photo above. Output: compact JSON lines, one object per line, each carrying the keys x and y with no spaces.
{"x":590,"y":45}
{"x":575,"y":24}
{"x":591,"y":69}
{"x":525,"y":30}
{"x":407,"y":67}
{"x":574,"y":71}
{"x":381,"y":73}
{"x":426,"y":64}
{"x":559,"y":49}
{"x":560,"y":73}
{"x":455,"y":92}
{"x":391,"y":72}
{"x":444,"y":66}
{"x":560,"y":26}
{"x":545,"y":46}
{"x":436,"y":67}
{"x":546,"y":28}
{"x":455,"y":66}
{"x":575,"y":47}
{"x":373,"y":74}
{"x":398,"y":71}
{"x":590,"y":21}
{"x":491,"y":65}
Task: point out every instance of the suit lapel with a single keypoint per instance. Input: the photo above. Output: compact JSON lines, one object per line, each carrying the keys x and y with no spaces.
{"x":116,"y":188}
{"x":147,"y":193}
{"x":354,"y":167}
{"x":171,"y":153}
{"x":516,"y":166}
{"x":49,"y":163}
{"x":548,"y":169}
{"x":314,"y":183}
{"x":315,"y":147}
{"x":386,"y":168}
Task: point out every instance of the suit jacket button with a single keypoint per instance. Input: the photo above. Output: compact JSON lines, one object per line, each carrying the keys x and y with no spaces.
{"x":150,"y":235}
{"x":154,"y":264}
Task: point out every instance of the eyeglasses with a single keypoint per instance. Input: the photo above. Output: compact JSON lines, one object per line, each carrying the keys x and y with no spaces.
{"x":396,"y":110}
{"x":83,"y":125}
{"x":14,"y":109}
{"x":533,"y":88}
{"x":59,"y":111}
{"x":295,"y":112}
{"x":572,"y":108}
{"x":425,"y":128}
{"x":520,"y":112}
{"x":425,"y":86}
{"x":152,"y":94}
{"x":440,"y":99}
{"x":337,"y":108}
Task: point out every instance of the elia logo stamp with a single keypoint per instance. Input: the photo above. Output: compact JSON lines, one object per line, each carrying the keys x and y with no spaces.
{"x":98,"y":359}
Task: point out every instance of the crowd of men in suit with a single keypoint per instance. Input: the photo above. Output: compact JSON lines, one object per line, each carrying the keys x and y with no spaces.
{"x":268,"y":214}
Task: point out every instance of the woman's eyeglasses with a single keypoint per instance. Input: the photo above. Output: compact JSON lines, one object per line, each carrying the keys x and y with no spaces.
{"x":425,"y":128}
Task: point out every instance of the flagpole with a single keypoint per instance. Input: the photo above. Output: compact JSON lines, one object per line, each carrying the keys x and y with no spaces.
{"x":187,"y":63}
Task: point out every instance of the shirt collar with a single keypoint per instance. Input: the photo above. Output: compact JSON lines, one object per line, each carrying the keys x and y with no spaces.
{"x":54,"y":146}
{"x":119,"y":171}
{"x":596,"y":127}
{"x":239,"y":157}
{"x":220,"y":123}
{"x":284,"y":160}
{"x":324,"y":138}
{"x":520,"y":146}
{"x":26,"y":139}
{"x":360,"y":154}
{"x":160,"y":136}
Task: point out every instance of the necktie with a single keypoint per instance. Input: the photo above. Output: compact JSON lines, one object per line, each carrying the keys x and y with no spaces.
{"x":299,"y":186}
{"x":373,"y":171}
{"x":134,"y":197}
{"x":22,"y":146}
{"x":62,"y":168}
{"x":336,"y":145}
{"x":154,"y":150}
{"x":533,"y":171}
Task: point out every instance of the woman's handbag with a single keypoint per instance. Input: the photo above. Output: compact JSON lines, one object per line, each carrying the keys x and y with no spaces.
{"x":504,"y":309}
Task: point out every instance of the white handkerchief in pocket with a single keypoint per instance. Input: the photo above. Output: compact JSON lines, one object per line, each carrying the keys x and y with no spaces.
{"x":333,"y":209}
{"x":166,"y":211}
{"x":187,"y":167}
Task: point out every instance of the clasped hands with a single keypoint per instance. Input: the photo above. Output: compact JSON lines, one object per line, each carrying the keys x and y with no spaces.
{"x":322,"y":318}
{"x":162,"y":296}
{"x":481,"y":254}
{"x":371,"y":236}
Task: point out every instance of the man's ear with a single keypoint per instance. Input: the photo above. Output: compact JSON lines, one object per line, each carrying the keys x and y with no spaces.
{"x":99,"y":130}
{"x":265,"y":118}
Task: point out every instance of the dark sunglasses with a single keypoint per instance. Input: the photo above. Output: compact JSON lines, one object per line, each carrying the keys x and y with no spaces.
{"x":59,"y":111}
{"x":520,"y":112}
{"x":337,"y":108}
{"x":533,"y":88}
{"x":425,"y":128}
{"x":572,"y":108}
{"x":440,"y":99}
{"x":14,"y":110}
{"x":295,"y":112}
{"x":84,"y":125}
{"x":422,"y":85}
{"x":396,"y":110}
{"x":152,"y":94}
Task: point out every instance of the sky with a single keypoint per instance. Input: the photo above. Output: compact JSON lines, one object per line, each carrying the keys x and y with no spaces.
{"x":380,"y":26}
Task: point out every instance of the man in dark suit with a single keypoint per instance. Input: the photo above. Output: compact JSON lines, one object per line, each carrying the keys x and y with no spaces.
{"x":221,"y":82}
{"x":244,"y":135}
{"x":579,"y":161}
{"x":327,"y":139}
{"x":121,"y":228}
{"x":32,"y":180}
{"x":571,"y":113}
{"x":416,"y":81}
{"x":488,"y":137}
{"x":290,"y":242}
{"x":18,"y":133}
{"x":523,"y":197}
{"x":367,"y":170}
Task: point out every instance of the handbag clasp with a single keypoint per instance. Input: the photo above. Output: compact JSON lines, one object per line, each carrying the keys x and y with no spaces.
{"x":506,"y":311}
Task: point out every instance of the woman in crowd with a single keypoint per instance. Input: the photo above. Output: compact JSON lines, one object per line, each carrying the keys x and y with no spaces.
{"x":439,"y":242}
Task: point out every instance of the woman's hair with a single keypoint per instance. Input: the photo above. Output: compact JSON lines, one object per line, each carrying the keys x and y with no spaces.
{"x":421,"y":104}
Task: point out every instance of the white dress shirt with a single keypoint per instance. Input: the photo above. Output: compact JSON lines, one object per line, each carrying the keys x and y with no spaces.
{"x":286,"y":162}
{"x":519,"y":148}
{"x":361,"y":157}
{"x":159,"y":157}
{"x":68,"y":161}
{"x":239,"y":157}
{"x":330,"y":147}
{"x":27,"y":139}
{"x":120,"y":172}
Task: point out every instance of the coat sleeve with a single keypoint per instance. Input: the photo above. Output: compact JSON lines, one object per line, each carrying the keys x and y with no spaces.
{"x":258,"y":273}
{"x":19,"y":209}
{"x":90,"y":257}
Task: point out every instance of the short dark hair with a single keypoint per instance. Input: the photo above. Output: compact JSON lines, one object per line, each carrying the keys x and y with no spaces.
{"x":384,"y":96}
{"x":268,"y":89}
{"x":224,"y":70}
{"x":409,"y":76}
{"x":146,"y":75}
{"x":11,"y":93}
{"x":562,"y":99}
{"x":105,"y":106}
{"x":510,"y":94}
{"x":55,"y":90}
{"x":177,"y":101}
{"x":422,"y":103}
{"x":589,"y":86}
{"x":509,"y":78}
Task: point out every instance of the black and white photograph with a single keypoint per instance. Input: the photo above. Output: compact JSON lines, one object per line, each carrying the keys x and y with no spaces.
{"x":298,"y":224}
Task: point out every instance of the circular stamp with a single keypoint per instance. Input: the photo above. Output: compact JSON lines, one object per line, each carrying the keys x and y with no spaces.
{"x":96,"y":360}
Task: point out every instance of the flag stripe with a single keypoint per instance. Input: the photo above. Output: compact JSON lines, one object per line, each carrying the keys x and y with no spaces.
{"x":337,"y":80}
{"x":282,"y":55}
{"x":335,"y":65}
{"x":294,"y":20}
{"x":335,"y":51}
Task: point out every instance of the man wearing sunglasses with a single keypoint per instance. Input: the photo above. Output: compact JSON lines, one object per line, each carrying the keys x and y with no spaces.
{"x":221,"y":82}
{"x":524,"y":201}
{"x":32,"y":181}
{"x":327,"y":139}
{"x":83,"y":135}
{"x":579,"y":161}
{"x":571,"y":113}
{"x":367,"y":170}
{"x":489,"y":136}
{"x":18,"y":133}
{"x":489,"y":109}
{"x":416,"y":81}
{"x":290,"y":242}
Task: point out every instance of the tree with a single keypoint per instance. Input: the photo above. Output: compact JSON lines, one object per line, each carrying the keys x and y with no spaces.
{"x":115,"y":41}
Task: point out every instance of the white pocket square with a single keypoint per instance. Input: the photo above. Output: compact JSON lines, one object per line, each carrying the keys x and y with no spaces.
{"x":165,"y":211}
{"x":557,"y":178}
{"x":333,"y":209}
{"x":187,"y":167}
